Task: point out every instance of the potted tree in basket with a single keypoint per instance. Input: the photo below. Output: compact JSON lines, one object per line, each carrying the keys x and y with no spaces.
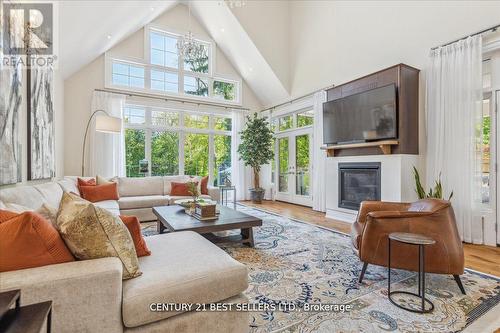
{"x":256,"y":150}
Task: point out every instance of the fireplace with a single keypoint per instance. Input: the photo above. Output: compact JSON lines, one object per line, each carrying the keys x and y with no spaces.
{"x":358,"y":182}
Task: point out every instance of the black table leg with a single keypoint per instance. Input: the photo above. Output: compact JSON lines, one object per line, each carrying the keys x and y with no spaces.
{"x":247,"y":236}
{"x":160,"y":227}
{"x":389,"y":268}
{"x":49,"y":321}
{"x":422,"y":263}
{"x":234,"y":198}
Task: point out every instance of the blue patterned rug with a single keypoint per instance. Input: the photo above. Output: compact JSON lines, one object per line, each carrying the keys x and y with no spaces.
{"x":297,"y":263}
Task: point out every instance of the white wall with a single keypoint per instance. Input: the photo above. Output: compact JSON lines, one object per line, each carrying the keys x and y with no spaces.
{"x":337,"y":41}
{"x":80,"y":86}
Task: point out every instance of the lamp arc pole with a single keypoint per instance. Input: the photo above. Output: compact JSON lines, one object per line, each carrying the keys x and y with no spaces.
{"x":85,"y":136}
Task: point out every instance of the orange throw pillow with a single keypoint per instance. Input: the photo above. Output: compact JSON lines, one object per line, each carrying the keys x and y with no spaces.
{"x":180,"y":189}
{"x":6,"y":215}
{"x":89,"y":182}
{"x":134,"y":227}
{"x":204,"y":185}
{"x":97,"y":193}
{"x":28,"y":240}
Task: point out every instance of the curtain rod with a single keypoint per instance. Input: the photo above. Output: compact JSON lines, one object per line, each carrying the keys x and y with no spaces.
{"x":490,"y":29}
{"x":297,"y":98}
{"x":167,"y":99}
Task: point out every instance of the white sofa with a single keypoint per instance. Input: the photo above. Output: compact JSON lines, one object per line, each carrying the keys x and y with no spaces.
{"x":90,"y":296}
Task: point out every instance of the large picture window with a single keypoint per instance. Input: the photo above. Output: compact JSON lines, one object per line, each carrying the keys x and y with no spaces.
{"x":172,"y":142}
{"x":163,"y":71}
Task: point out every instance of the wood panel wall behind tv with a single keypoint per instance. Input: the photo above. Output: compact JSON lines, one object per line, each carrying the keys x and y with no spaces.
{"x":406,"y":80}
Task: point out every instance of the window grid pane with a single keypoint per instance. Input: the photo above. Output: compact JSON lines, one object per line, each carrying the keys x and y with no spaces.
{"x":305,"y":118}
{"x":195,"y":86}
{"x":135,"y":142}
{"x":224,"y":90}
{"x":196,"y":154}
{"x":222,"y":160}
{"x":164,"y":153}
{"x":134,"y":115}
{"x":196,"y":121}
{"x":200,"y":63}
{"x":222,"y":124}
{"x":285,"y":123}
{"x":164,"y":118}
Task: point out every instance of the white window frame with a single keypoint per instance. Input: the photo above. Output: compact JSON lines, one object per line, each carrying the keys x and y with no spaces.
{"x":211,"y":76}
{"x":182,"y":130}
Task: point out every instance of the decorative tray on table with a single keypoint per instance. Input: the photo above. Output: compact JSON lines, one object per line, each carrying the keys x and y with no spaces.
{"x":203,"y":209}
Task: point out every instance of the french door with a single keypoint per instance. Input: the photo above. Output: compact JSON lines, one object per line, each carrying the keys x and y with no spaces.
{"x":293,"y":154}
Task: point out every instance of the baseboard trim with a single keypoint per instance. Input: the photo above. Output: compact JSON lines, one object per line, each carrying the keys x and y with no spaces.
{"x":341,"y":216}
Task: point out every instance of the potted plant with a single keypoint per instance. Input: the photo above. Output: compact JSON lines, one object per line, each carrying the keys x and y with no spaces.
{"x":256,"y":150}
{"x":436,"y":193}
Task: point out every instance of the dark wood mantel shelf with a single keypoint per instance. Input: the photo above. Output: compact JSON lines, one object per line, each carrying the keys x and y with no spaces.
{"x":384,"y":145}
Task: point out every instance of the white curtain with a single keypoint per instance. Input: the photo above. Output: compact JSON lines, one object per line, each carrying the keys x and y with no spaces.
{"x":240,"y":174}
{"x":454,"y":102}
{"x":319,"y":156}
{"x":106,"y":152}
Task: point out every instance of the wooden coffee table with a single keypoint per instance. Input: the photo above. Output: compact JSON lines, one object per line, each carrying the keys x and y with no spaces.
{"x":173,"y":218}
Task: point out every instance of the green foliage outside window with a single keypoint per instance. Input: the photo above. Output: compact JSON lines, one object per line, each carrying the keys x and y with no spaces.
{"x":225,"y":90}
{"x":196,"y":154}
{"x":164,"y":153}
{"x":135,"y":144}
{"x":222,"y":157}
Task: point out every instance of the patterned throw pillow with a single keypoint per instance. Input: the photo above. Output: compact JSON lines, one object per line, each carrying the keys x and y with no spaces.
{"x":91,"y":232}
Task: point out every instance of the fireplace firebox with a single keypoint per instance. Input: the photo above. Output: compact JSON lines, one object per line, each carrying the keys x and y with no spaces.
{"x":358,"y":182}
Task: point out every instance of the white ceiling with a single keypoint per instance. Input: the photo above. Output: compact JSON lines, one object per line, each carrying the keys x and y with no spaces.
{"x":89,"y":28}
{"x":234,"y":41}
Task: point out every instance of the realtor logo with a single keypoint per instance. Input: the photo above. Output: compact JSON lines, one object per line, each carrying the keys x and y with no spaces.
{"x":27,"y":29}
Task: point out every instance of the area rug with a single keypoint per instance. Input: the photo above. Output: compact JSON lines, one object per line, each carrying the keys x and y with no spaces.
{"x":295,"y":264}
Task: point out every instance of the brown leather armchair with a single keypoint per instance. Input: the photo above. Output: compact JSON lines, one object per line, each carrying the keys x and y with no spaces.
{"x":429,"y":217}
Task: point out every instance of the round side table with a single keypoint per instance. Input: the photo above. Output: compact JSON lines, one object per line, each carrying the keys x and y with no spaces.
{"x":420,"y":241}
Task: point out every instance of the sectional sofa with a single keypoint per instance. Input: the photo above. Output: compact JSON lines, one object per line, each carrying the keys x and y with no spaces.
{"x":90,"y":296}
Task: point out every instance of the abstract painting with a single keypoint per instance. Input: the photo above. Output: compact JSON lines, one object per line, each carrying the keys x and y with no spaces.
{"x":10,"y":110}
{"x":41,"y":126}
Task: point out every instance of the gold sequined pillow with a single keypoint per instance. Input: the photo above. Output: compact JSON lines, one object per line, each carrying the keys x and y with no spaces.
{"x":92,"y":232}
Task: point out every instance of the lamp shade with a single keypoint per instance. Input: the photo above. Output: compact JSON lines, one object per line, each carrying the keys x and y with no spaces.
{"x":108,"y":124}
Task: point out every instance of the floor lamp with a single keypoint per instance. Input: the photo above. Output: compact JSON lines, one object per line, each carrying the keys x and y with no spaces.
{"x":103,"y":123}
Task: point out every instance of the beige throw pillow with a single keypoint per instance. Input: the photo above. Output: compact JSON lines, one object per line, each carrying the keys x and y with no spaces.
{"x":91,"y":232}
{"x":103,"y":181}
{"x":46,"y":211}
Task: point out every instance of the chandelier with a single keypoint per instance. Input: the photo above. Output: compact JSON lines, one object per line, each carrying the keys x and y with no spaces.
{"x":235,"y":3}
{"x":187,"y":46}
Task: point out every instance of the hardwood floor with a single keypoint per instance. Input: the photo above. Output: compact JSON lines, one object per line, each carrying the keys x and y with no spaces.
{"x":481,"y":258}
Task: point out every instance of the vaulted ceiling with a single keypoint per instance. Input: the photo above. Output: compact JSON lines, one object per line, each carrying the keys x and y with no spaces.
{"x":87,"y":29}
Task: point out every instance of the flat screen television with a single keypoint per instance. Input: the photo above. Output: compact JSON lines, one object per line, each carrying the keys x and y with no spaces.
{"x":367,"y":116}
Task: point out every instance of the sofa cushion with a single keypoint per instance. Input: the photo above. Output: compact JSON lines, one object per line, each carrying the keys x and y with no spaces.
{"x":174,"y":198}
{"x":143,"y":214}
{"x":167,"y":182}
{"x":27,"y":196}
{"x":92,"y":232}
{"x":69,"y":185}
{"x":184,"y":267}
{"x":145,"y":201}
{"x":51,"y":192}
{"x":110,"y":205}
{"x":129,"y":187}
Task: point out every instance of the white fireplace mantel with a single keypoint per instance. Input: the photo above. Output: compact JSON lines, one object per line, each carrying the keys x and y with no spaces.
{"x":397,"y":183}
